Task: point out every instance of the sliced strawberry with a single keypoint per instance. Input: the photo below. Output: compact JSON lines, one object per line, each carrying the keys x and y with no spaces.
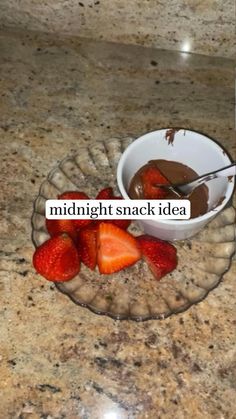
{"x":55,"y":227}
{"x":124,"y":224}
{"x":57,"y":259}
{"x":117,"y":249}
{"x":107,"y":193}
{"x":76,"y":195}
{"x":87,"y":245}
{"x":151,"y":176}
{"x":160,"y":255}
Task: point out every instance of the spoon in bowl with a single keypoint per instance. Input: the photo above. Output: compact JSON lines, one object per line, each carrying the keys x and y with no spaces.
{"x":184,"y":190}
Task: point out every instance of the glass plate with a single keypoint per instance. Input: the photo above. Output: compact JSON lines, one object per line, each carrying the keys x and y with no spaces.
{"x":134,"y":293}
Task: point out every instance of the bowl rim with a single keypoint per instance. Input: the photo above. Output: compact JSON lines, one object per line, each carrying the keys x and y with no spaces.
{"x":205,"y":217}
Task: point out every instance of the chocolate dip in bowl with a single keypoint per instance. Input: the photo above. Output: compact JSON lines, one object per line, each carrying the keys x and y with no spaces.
{"x":175,"y":172}
{"x":187,"y":155}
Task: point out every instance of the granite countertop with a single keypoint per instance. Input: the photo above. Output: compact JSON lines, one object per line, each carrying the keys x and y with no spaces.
{"x":58,"y":360}
{"x":200,"y":26}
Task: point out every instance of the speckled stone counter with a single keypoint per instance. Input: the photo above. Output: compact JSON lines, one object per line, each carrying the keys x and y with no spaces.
{"x":58,"y":360}
{"x":200,"y":26}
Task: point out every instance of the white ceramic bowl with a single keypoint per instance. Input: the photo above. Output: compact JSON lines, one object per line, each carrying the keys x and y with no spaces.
{"x":191,"y":148}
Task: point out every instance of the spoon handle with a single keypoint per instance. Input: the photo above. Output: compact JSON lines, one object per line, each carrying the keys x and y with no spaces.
{"x":184,"y":189}
{"x":187,"y":188}
{"x":225,"y":171}
{"x":228,"y":171}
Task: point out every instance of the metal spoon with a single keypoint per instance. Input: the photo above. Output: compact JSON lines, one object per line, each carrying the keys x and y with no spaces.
{"x":183,"y":190}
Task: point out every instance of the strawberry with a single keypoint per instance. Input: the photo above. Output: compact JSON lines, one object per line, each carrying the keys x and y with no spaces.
{"x":76,"y":195}
{"x":150,"y":176}
{"x":160,"y":255}
{"x":116,"y":249}
{"x":107,"y":193}
{"x":55,"y":227}
{"x":73,"y":195}
{"x":124,"y":224}
{"x":57,"y":259}
{"x":87,"y":246}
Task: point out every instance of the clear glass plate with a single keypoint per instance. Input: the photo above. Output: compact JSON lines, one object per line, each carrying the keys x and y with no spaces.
{"x":134,"y":293}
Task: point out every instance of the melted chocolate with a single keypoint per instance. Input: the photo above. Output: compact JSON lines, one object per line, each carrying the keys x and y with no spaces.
{"x":175,"y":172}
{"x":170,"y":134}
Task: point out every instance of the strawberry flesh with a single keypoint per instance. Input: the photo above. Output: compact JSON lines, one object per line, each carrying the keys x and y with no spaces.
{"x":57,"y":259}
{"x":160,"y":255}
{"x":117,"y":249}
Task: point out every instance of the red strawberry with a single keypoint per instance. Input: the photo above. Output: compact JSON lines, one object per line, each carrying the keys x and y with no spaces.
{"x":150,"y":176}
{"x":57,"y":259}
{"x":124,"y":224}
{"x":107,"y":193}
{"x":87,"y":246}
{"x":81,"y":223}
{"x":160,"y":255}
{"x":55,"y":227}
{"x":73,"y":195}
{"x":76,"y":195}
{"x":117,"y":249}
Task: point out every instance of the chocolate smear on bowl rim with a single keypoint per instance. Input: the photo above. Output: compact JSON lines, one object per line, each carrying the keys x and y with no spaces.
{"x":170,"y":134}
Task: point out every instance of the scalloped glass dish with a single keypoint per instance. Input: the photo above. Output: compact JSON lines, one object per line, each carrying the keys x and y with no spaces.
{"x":134,"y":293}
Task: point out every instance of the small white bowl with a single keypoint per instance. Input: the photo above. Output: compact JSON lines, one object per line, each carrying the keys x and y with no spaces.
{"x":191,"y":148}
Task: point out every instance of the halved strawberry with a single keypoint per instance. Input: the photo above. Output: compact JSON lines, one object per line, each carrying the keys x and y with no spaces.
{"x":107,"y":193}
{"x":117,"y":249}
{"x":76,"y":195}
{"x":151,"y":176}
{"x":160,"y":255}
{"x":57,"y":259}
{"x":55,"y":227}
{"x":87,"y":245}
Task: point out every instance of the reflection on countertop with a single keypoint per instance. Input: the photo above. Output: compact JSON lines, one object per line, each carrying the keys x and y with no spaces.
{"x":59,"y":360}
